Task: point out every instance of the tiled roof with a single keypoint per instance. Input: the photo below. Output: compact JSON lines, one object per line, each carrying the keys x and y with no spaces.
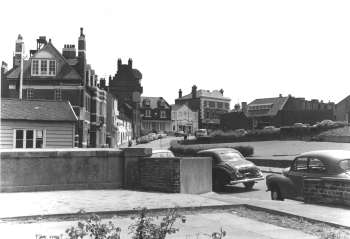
{"x":269,"y":106}
{"x":208,"y":94}
{"x":154,"y":102}
{"x":66,"y":72}
{"x":38,"y":110}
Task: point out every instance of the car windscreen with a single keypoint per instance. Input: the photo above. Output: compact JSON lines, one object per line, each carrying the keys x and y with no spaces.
{"x":230,"y":156}
{"x":345,"y":164}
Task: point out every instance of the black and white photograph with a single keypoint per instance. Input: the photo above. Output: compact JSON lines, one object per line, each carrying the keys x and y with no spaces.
{"x":175,"y":119}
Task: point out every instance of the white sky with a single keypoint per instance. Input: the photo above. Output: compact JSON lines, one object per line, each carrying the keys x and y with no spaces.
{"x":251,"y":49}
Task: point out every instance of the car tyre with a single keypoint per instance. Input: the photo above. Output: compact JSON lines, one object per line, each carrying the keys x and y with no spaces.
{"x":276,"y":194}
{"x":249,"y":185}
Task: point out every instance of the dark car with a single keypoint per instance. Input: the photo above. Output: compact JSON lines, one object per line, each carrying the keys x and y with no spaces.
{"x":230,"y":167}
{"x":180,"y":133}
{"x":315,"y":164}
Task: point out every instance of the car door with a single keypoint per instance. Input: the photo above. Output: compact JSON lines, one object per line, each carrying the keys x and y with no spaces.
{"x":296,"y":174}
{"x":316,"y":168}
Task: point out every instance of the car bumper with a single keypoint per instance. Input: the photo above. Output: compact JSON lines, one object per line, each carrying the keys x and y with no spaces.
{"x":246,"y":180}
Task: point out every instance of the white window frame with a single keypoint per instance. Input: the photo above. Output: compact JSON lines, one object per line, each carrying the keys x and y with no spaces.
{"x":58,"y":94}
{"x":30,"y":93}
{"x":47,"y":73}
{"x":147,"y":113}
{"x":25,"y":137}
{"x":162,"y":114}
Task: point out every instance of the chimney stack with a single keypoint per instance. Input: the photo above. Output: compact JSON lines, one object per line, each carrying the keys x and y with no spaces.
{"x":244,"y":107}
{"x":130,"y":63}
{"x":194,"y":91}
{"x":119,"y":63}
{"x":69,"y":51}
{"x":180,"y":93}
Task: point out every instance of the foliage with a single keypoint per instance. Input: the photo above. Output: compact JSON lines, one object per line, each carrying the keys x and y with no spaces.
{"x":145,"y":228}
{"x":191,"y":150}
{"x":93,"y":228}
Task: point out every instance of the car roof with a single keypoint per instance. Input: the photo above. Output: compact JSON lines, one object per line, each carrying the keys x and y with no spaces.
{"x":216,"y":150}
{"x":160,"y":151}
{"x":328,"y":156}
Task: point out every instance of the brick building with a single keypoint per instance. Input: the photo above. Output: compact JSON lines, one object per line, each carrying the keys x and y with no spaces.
{"x":155,"y":114}
{"x":210,"y":105}
{"x":279,"y":111}
{"x":51,"y":75}
{"x":126,"y":87}
{"x":342,"y":110}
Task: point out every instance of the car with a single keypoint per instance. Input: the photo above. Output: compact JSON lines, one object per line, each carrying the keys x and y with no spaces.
{"x":299,"y":125}
{"x":314,"y":164}
{"x":241,"y":132}
{"x":162,"y":153}
{"x":200,"y":133}
{"x":230,"y":167}
{"x":180,"y":133}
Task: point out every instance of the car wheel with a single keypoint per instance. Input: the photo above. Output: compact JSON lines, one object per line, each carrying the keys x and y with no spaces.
{"x":276,"y":194}
{"x":249,"y":185}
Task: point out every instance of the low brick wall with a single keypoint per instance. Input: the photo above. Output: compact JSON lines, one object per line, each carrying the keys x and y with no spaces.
{"x":327,"y":190}
{"x":42,"y":169}
{"x":176,"y":175}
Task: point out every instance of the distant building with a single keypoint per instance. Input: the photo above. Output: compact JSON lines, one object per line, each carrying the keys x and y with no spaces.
{"x":342,"y":110}
{"x":210,"y":105}
{"x":280,"y":111}
{"x":4,"y":82}
{"x":156,"y":114}
{"x":37,"y":124}
{"x":184,"y":119}
{"x":51,"y":75}
{"x":126,"y":88}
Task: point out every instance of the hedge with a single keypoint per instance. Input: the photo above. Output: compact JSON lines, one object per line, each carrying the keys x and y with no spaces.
{"x":191,"y":150}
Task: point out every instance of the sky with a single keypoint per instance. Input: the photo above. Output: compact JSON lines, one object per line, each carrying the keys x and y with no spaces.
{"x":250,"y":49}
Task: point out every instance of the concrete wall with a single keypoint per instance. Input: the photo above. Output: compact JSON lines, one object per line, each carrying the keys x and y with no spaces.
{"x":176,"y":175}
{"x":327,"y":190}
{"x":44,"y":169}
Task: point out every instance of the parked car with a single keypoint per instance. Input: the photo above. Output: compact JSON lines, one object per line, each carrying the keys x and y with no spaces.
{"x":180,"y":133}
{"x":162,"y":153}
{"x":314,"y":164}
{"x":230,"y":167}
{"x":200,"y":133}
{"x":299,"y":125}
{"x":241,"y":132}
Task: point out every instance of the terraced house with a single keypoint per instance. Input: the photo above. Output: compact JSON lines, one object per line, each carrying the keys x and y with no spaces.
{"x":51,"y":75}
{"x":155,"y":114}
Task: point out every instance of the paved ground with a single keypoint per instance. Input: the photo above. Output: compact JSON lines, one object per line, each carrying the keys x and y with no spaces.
{"x":61,"y":202}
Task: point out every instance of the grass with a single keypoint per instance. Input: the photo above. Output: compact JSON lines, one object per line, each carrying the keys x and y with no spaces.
{"x":323,"y":231}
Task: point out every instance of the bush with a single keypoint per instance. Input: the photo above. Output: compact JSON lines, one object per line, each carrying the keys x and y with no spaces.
{"x":191,"y":150}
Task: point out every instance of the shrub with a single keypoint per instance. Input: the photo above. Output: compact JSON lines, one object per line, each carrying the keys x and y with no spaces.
{"x":191,"y":150}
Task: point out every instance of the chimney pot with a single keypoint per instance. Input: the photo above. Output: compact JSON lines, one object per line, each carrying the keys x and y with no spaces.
{"x":180,"y":93}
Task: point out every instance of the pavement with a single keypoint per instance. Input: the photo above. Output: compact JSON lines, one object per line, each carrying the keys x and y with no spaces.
{"x":53,"y":212}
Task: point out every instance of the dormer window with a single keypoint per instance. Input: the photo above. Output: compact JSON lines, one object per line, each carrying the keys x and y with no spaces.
{"x":43,"y":67}
{"x":146,"y":103}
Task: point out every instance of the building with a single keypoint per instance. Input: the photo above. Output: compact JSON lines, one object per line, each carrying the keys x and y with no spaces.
{"x":52,"y":75}
{"x":4,"y":82}
{"x":210,"y":105}
{"x":155,"y":115}
{"x":37,"y":124}
{"x":342,"y":110}
{"x":283,"y":111}
{"x":126,"y":87}
{"x":183,"y":119}
{"x":119,"y":127}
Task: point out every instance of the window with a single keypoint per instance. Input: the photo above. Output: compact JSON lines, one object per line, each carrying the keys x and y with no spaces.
{"x":220,"y":105}
{"x":35,"y":67}
{"x":30,"y":93}
{"x":147,"y":113}
{"x":162,"y":114}
{"x":300,"y":164}
{"x":58,"y":94}
{"x":29,"y":138}
{"x":227,"y":106}
{"x":316,"y":166}
{"x":205,"y":103}
{"x":212,"y":104}
{"x":43,"y":67}
{"x":87,"y":103}
{"x":52,"y":68}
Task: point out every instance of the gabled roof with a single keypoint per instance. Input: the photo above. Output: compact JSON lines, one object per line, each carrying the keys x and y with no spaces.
{"x":154,"y":101}
{"x":37,"y":110}
{"x":66,"y":72}
{"x":176,"y":107}
{"x":344,"y":100}
{"x":266,"y":106}
{"x":206,"y":93}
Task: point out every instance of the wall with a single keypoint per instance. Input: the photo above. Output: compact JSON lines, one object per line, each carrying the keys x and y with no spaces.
{"x":327,"y":190}
{"x":235,"y":120}
{"x":176,"y":175}
{"x":342,"y":110}
{"x":58,"y":134}
{"x":66,"y":169}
